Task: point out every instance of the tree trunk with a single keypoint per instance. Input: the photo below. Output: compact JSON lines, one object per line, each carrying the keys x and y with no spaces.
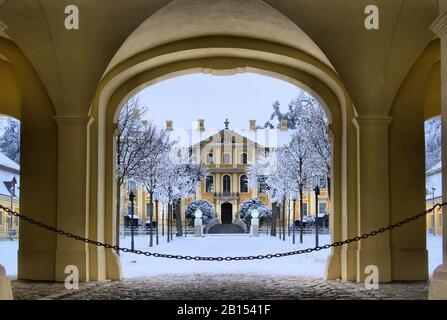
{"x":178,"y":221}
{"x":118,"y":210}
{"x":151,"y":215}
{"x":284,"y":219}
{"x":273,"y":225}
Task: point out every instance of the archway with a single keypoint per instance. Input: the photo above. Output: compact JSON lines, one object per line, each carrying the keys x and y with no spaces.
{"x":226,"y":213}
{"x":216,"y":54}
{"x":24,"y":98}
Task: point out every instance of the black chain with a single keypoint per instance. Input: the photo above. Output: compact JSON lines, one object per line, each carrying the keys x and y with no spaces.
{"x":197,"y":258}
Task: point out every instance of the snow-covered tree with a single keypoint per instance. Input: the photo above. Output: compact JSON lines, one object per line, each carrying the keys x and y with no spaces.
{"x":136,"y":142}
{"x":150,"y":171}
{"x":432,"y":142}
{"x":265,"y":214}
{"x":205,"y":206}
{"x":10,"y":141}
{"x":306,"y":116}
{"x":180,"y":180}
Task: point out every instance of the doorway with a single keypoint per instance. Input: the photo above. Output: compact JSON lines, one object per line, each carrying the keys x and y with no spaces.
{"x":227,"y":213}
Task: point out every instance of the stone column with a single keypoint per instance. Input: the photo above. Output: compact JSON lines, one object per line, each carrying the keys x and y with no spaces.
{"x":438,"y":286}
{"x":373,"y":195}
{"x":72,"y":194}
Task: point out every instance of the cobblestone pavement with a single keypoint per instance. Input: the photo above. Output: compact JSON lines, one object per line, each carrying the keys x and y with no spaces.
{"x":220,"y":287}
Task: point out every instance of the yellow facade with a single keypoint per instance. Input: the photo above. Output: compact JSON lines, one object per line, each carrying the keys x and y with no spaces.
{"x":434,"y":220}
{"x":227,"y":155}
{"x":5,"y":218}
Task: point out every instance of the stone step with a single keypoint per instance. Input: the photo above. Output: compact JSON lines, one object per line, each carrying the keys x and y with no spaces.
{"x":226,"y":229}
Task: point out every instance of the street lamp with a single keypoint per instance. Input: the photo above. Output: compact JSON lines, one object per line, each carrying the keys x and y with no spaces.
{"x":156,"y":199}
{"x":433,"y":189}
{"x":294,"y":215}
{"x":301,"y":213}
{"x":316,"y":186}
{"x":11,"y":186}
{"x":132,"y":196}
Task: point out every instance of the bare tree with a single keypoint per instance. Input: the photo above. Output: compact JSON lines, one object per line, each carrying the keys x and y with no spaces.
{"x":150,"y":172}
{"x":136,"y":141}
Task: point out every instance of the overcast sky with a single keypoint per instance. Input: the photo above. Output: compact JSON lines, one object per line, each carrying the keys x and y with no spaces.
{"x":239,"y":98}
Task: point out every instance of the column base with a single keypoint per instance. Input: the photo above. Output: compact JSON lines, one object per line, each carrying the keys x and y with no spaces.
{"x":333,"y":265}
{"x":438,"y":285}
{"x":113,"y":267}
{"x":348,"y":263}
{"x":78,"y":258}
{"x":381,"y":258}
{"x":37,"y":265}
{"x":97,"y":261}
{"x":5,"y":285}
{"x":409,"y":265}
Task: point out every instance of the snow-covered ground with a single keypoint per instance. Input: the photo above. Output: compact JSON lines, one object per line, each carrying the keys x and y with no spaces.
{"x":227,"y":245}
{"x":312,"y":264}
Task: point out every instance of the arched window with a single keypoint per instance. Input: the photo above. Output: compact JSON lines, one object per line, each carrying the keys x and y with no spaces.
{"x":227,"y":158}
{"x":244,"y":184}
{"x":226,"y":184}
{"x":244,"y":158}
{"x":210,"y":158}
{"x":209,"y":184}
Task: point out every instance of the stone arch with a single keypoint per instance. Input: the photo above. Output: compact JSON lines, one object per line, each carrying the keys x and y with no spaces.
{"x":417,"y":99}
{"x":225,"y":54}
{"x":24,"y":97}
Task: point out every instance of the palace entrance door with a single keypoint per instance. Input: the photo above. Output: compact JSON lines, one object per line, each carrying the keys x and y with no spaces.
{"x":227,"y":213}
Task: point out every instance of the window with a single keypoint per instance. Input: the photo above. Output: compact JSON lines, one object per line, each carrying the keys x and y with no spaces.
{"x":323,"y":182}
{"x":305,"y":213}
{"x":210,"y":158}
{"x":131,"y":185}
{"x":226,"y":158}
{"x":244,"y":184}
{"x":267,"y":152}
{"x":322,"y":209}
{"x":263,"y":187}
{"x":226,"y":184}
{"x":244,"y":158}
{"x":440,"y":219}
{"x":209,"y":184}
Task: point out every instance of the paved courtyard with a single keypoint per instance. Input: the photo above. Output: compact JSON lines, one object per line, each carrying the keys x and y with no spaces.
{"x":221,"y":287}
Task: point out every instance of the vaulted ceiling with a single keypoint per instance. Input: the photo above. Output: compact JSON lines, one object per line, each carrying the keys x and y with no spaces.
{"x":372,"y":64}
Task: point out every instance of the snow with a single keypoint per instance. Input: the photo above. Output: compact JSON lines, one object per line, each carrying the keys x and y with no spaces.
{"x":312,"y":264}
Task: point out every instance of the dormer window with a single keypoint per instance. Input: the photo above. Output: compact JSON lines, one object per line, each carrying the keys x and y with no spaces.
{"x":210,"y":158}
{"x":226,"y":158}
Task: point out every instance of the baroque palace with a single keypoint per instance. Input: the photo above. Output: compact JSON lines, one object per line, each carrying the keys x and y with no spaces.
{"x":228,"y":154}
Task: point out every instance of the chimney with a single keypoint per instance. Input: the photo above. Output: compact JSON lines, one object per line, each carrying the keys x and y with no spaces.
{"x":284,"y":125}
{"x":169,"y":125}
{"x":253,"y":125}
{"x":201,"y":125}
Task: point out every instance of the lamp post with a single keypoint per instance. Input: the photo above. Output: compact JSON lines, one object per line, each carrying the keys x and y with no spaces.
{"x":163,"y":220}
{"x":12,"y":191}
{"x":294,"y":216}
{"x":156,"y":199}
{"x":433,"y":189}
{"x":132,"y":196}
{"x":316,"y":186}
{"x":301,"y":213}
